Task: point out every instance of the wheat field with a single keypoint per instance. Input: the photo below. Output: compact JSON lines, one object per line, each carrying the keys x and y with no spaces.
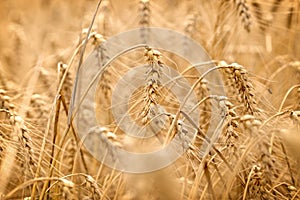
{"x":254,"y":46}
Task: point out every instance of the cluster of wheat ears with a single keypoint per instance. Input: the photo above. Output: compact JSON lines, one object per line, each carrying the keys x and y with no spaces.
{"x":253,"y":45}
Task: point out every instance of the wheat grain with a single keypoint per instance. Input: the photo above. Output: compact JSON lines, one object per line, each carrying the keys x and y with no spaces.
{"x":151,"y":90}
{"x":144,"y":13}
{"x":240,"y":85}
{"x":190,"y":25}
{"x":244,"y":13}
